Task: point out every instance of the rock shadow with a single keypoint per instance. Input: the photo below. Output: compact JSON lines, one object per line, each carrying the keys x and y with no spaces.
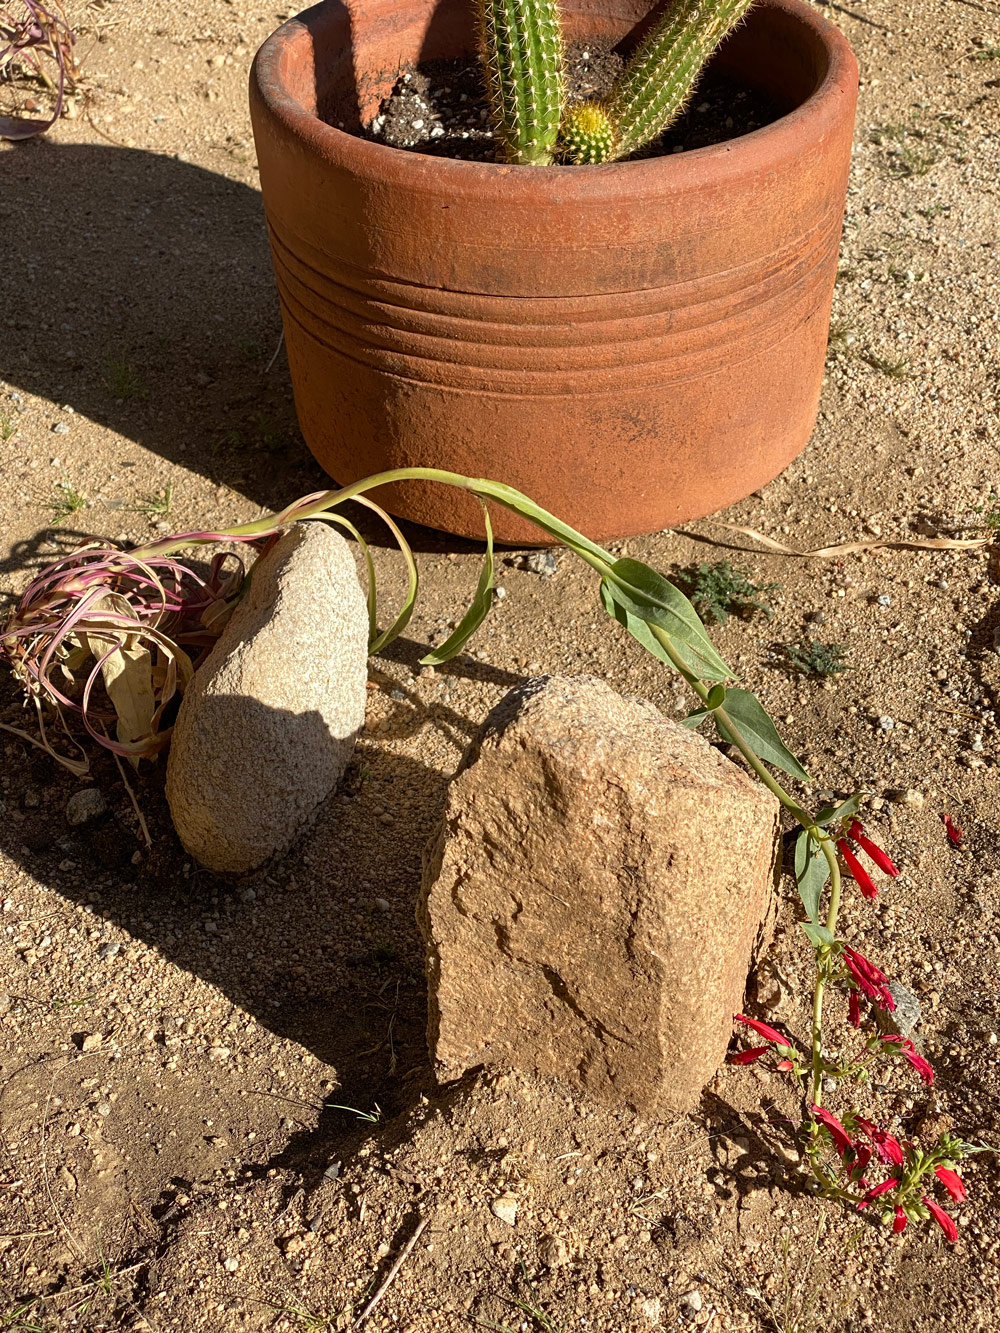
{"x":319,"y":945}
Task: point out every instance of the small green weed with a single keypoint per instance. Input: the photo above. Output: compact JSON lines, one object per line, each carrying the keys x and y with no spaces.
{"x":896,"y":370}
{"x":66,"y":500}
{"x":988,"y":53}
{"x":19,"y":1319}
{"x":840,"y":338}
{"x":269,"y":436}
{"x":8,"y":427}
{"x":811,"y":658}
{"x":542,"y":1322}
{"x":990,"y":512}
{"x":372,"y":1117}
{"x":910,"y":150}
{"x":154,"y":506}
{"x":58,"y":1003}
{"x":304,"y":1318}
{"x":121,"y":379}
{"x":720,"y":591}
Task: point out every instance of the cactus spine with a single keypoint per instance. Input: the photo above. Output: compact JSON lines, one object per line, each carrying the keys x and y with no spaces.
{"x":655,"y":86}
{"x":522,"y":53}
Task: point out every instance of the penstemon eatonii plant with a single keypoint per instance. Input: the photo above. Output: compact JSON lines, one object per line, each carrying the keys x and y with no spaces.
{"x":521,"y":49}
{"x":134,"y":623}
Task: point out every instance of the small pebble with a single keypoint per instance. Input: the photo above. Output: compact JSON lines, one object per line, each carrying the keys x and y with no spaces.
{"x":542,"y":563}
{"x":91,"y":1041}
{"x":85,"y":805}
{"x":505,"y":1208}
{"x":886,"y":723}
{"x":109,"y":950}
{"x":103,"y":1108}
{"x":906,"y":796}
{"x":60,"y":428}
{"x":884,"y":599}
{"x":691,"y":1303}
{"x":218,"y":1052}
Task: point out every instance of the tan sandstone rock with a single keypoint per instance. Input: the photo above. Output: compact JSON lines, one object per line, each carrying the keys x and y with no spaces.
{"x":591,"y":903}
{"x":268,"y":724}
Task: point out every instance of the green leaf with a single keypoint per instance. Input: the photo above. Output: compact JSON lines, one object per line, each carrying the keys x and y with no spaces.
{"x":694,"y":719}
{"x":648,"y":597}
{"x":521,"y":504}
{"x":818,"y":935}
{"x":716,"y":697}
{"x":760,"y":733}
{"x":811,"y":873}
{"x":372,"y":594}
{"x":476,"y":613}
{"x":849,"y":807}
{"x":403,"y":619}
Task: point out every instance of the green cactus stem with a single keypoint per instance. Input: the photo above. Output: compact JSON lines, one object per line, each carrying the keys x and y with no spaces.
{"x":522,"y":53}
{"x":657,"y":82}
{"x":588,"y":134}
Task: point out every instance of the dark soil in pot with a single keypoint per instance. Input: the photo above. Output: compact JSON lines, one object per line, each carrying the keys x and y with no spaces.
{"x":439,"y":108}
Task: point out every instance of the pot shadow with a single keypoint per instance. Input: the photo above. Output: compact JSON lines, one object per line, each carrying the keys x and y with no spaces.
{"x":320,"y":945}
{"x":174,"y":259}
{"x":144,"y":299}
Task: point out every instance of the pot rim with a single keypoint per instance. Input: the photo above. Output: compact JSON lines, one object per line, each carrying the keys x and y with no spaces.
{"x":699,"y":167}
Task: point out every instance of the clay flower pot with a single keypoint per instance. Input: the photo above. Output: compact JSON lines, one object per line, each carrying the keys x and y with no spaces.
{"x":633,"y":345}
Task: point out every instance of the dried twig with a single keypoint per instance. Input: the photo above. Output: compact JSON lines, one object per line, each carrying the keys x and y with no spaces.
{"x":390,"y":1277}
{"x":847,"y":548}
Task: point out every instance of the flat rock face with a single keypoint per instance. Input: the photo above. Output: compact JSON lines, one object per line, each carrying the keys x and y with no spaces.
{"x":592,"y":901}
{"x":267,"y":726}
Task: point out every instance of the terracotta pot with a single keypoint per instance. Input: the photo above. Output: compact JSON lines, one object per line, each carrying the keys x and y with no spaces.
{"x":633,"y":345}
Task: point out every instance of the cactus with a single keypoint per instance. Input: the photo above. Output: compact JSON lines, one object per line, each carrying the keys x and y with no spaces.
{"x":658,"y":80}
{"x":521,"y":43}
{"x":588,"y":134}
{"x":522,"y":56}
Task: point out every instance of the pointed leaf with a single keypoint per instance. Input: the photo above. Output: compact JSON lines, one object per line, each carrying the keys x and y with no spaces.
{"x":406,"y":611}
{"x":477,"y":611}
{"x":811,"y":873}
{"x":651,"y":598}
{"x":760,"y":733}
{"x":696,"y":718}
{"x":849,"y":807}
{"x":818,"y":935}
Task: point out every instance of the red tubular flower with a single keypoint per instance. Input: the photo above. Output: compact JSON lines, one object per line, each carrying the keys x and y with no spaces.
{"x":869,"y":979}
{"x":954,"y":833}
{"x":842,"y":1141}
{"x":952,"y":1182}
{"x":899,"y":1221}
{"x":854,"y":1009}
{"x":877,"y":1190}
{"x":857,"y":870}
{"x":748,"y":1057}
{"x":762,"y":1030}
{"x":785,"y":1066}
{"x":862,"y":1157}
{"x":946,"y":1223}
{"x":889,"y":1150}
{"x":881,"y":859}
{"x":910,"y":1052}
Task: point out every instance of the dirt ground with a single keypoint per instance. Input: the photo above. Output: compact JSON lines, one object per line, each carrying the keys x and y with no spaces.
{"x":177,"y":1050}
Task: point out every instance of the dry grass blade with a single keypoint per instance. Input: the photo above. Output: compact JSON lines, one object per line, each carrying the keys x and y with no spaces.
{"x":845,"y":548}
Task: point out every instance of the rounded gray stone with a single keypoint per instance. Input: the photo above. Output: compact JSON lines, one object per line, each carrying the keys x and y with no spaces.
{"x":268,"y":724}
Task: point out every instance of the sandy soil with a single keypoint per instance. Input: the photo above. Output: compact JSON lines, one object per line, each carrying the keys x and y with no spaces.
{"x":168,"y":1039}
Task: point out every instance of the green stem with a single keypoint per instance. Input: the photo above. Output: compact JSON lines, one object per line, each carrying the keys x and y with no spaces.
{"x":829,"y":851}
